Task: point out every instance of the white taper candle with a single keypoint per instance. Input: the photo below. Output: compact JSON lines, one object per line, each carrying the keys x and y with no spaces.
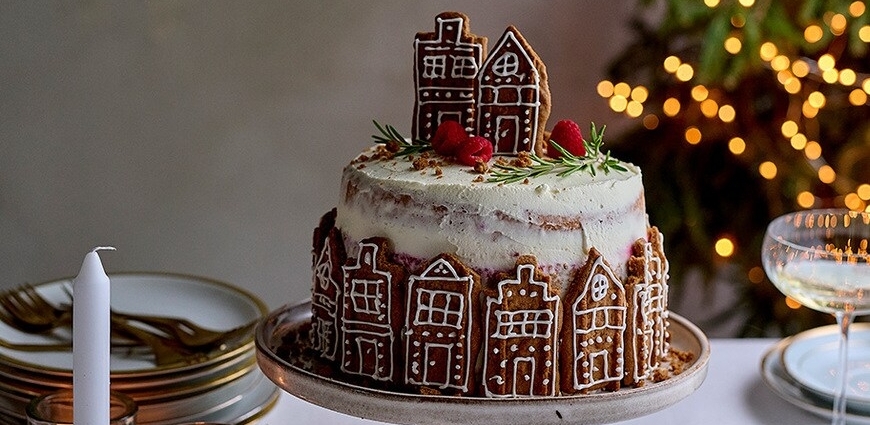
{"x":91,"y":342}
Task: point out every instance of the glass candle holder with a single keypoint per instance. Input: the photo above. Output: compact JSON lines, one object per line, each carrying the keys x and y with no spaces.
{"x":57,"y":409}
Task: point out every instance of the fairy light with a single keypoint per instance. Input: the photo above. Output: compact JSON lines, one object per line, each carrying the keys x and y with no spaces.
{"x":866,"y":85}
{"x":838,"y":24}
{"x":863,"y":191}
{"x":756,"y":274}
{"x":709,"y":108}
{"x":650,"y":121}
{"x":604,"y":89}
{"x":853,"y":202}
{"x":738,"y":21}
{"x":864,"y":33}
{"x":634,"y":108}
{"x":827,"y":174}
{"x":737,"y":145}
{"x":826,"y":62}
{"x":685,"y":72}
{"x":806,"y":199}
{"x":724,"y":247}
{"x":858,"y":97}
{"x":813,"y":33}
{"x":746,"y":3}
{"x":817,"y":100}
{"x":693,"y":135}
{"x":792,"y":85}
{"x":809,"y":111}
{"x":789,"y":129}
{"x":622,"y":89}
{"x":798,"y":141}
{"x":711,"y":3}
{"x":768,"y":51}
{"x":639,"y":94}
{"x":800,"y":68}
{"x":780,"y":62}
{"x":792,"y":303}
{"x":727,"y":113}
{"x":700,"y":93}
{"x":848,"y":77}
{"x":671,"y":64}
{"x":768,"y":170}
{"x":733,"y":45}
{"x":671,"y":107}
{"x":857,"y":8}
{"x":618,"y":103}
{"x":813,"y":150}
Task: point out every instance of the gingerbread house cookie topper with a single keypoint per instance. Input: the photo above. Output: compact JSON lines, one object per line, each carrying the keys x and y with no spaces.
{"x":514,"y":96}
{"x":446,"y":64}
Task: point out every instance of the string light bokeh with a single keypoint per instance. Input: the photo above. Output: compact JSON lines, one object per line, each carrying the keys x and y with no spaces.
{"x":814,"y":55}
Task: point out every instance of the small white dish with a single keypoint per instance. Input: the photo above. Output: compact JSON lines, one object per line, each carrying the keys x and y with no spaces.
{"x":208,"y":303}
{"x":776,"y":378}
{"x":811,"y":359}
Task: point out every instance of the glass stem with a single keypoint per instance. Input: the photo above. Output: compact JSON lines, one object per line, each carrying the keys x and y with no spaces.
{"x":844,"y":319}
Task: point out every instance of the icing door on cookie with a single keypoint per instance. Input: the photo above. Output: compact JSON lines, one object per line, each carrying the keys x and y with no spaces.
{"x":509,"y":134}
{"x":370,"y":356}
{"x":435,"y":372}
{"x":524,"y":376}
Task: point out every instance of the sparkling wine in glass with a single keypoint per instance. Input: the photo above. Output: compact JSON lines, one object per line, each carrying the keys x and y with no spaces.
{"x":820,"y":258}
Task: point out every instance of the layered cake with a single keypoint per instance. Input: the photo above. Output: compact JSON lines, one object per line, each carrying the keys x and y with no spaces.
{"x":487,"y":255}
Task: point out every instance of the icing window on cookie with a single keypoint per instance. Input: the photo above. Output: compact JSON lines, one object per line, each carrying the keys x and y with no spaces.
{"x":524,"y":323}
{"x":508,"y":64}
{"x":365,"y":296}
{"x":434,"y":66}
{"x":599,"y":287}
{"x":437,"y":307}
{"x":464,"y":67}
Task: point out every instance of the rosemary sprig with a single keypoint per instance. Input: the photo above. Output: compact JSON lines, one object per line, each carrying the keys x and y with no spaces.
{"x":397,"y":143}
{"x":564,"y":166}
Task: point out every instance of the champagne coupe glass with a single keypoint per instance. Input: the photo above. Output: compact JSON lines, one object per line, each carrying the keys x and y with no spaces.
{"x":819,"y":258}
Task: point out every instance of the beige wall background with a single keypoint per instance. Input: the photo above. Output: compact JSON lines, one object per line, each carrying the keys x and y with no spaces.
{"x":207,"y":138}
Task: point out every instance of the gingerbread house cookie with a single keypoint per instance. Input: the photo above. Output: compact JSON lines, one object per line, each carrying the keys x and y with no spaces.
{"x":647,"y":289}
{"x":442,"y":337}
{"x":372,"y":313}
{"x":514,"y":99}
{"x":522,"y":327}
{"x":594,"y":321}
{"x":328,"y":257}
{"x":446,"y":63}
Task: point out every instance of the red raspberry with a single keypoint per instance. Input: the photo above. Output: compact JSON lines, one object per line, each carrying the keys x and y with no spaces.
{"x":474,"y":149}
{"x":447,"y":138}
{"x":566,"y":133}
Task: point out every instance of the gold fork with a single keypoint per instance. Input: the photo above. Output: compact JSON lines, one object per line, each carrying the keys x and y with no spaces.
{"x":28,"y":311}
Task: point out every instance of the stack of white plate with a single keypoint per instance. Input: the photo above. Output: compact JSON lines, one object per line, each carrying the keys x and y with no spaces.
{"x":224,"y":385}
{"x":801,"y":369}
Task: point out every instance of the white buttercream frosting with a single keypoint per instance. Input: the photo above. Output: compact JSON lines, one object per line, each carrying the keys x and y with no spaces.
{"x":487,"y":225}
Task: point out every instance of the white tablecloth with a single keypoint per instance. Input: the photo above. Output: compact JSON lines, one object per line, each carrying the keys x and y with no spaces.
{"x":733,"y":393}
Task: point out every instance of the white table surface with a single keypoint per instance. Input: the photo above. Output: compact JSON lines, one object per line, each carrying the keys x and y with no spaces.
{"x":733,"y":393}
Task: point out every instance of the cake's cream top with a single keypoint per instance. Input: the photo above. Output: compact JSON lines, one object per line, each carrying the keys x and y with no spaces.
{"x":488,"y":225}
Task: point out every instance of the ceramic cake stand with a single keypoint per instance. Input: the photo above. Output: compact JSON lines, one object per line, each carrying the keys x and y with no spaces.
{"x":395,"y":407}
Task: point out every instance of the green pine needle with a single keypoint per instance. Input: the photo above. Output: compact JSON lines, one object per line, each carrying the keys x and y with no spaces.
{"x":397,"y":143}
{"x":564,"y":166}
